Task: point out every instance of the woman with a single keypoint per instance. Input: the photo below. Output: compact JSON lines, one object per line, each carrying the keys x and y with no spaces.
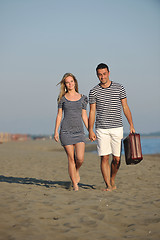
{"x":71,"y":131}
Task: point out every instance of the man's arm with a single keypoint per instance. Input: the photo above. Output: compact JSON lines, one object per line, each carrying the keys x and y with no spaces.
{"x":92,"y":113}
{"x":128,"y":114}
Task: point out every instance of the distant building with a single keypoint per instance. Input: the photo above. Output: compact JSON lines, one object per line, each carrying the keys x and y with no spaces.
{"x":6,"y":137}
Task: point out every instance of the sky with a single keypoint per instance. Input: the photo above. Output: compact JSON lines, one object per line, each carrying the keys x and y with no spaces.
{"x":41,"y":40}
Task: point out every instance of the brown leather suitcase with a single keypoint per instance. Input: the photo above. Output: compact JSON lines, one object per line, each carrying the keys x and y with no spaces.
{"x":132,"y":149}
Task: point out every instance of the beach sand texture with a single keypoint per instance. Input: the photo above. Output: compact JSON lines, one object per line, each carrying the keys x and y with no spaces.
{"x":37,"y":201}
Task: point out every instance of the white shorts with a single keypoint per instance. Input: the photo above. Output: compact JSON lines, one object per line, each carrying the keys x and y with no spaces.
{"x":109,"y":141}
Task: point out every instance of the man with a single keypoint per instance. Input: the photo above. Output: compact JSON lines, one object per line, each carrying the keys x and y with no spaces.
{"x":106,"y":100}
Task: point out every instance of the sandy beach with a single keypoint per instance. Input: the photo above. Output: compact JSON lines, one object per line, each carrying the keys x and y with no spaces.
{"x":37,"y":201}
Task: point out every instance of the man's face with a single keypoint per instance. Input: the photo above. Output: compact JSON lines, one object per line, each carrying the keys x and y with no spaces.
{"x":103,"y":75}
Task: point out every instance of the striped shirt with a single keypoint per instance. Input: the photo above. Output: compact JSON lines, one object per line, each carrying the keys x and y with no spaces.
{"x":108,"y":105}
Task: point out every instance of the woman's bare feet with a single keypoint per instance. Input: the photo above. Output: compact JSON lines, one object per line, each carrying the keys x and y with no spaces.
{"x":75,"y":187}
{"x":107,"y":189}
{"x":78,"y":176}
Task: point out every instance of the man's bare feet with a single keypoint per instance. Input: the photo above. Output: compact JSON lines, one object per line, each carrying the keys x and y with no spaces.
{"x":113,"y":185}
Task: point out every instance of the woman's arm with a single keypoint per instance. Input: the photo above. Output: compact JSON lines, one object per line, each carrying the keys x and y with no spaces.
{"x":85,"y":118}
{"x":57,"y":124}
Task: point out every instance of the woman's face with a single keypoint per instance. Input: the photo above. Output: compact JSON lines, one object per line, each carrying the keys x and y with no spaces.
{"x":69,"y":82}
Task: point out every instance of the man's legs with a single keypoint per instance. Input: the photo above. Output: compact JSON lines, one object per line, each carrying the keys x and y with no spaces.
{"x":109,"y":174}
{"x":116,"y":135}
{"x":105,"y":169}
{"x":114,"y":169}
{"x":109,"y":142}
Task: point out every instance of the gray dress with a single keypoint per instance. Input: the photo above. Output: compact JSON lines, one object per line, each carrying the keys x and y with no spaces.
{"x":71,"y":130}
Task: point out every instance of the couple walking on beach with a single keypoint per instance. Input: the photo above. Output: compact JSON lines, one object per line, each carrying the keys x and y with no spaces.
{"x":106,"y":100}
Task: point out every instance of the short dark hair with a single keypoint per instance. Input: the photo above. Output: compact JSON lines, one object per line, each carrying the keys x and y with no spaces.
{"x":102,"y":66}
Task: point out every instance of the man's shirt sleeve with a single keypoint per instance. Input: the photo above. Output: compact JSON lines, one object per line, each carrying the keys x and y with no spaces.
{"x":92,"y":97}
{"x":122,"y":93}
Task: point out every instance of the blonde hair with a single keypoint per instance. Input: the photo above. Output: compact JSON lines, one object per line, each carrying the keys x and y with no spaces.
{"x":63,"y":89}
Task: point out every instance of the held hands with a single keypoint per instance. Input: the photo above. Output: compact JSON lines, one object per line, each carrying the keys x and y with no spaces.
{"x":56,"y":137}
{"x":92,"y":136}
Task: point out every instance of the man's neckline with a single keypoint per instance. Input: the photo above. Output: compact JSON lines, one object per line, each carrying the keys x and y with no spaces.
{"x":106,"y":87}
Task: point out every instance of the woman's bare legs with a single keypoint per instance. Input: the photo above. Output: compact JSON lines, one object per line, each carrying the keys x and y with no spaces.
{"x":71,"y":165}
{"x":79,"y":155}
{"x":75,"y":154}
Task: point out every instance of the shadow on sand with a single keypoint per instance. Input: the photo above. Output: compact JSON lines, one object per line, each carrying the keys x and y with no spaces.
{"x":43,"y":183}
